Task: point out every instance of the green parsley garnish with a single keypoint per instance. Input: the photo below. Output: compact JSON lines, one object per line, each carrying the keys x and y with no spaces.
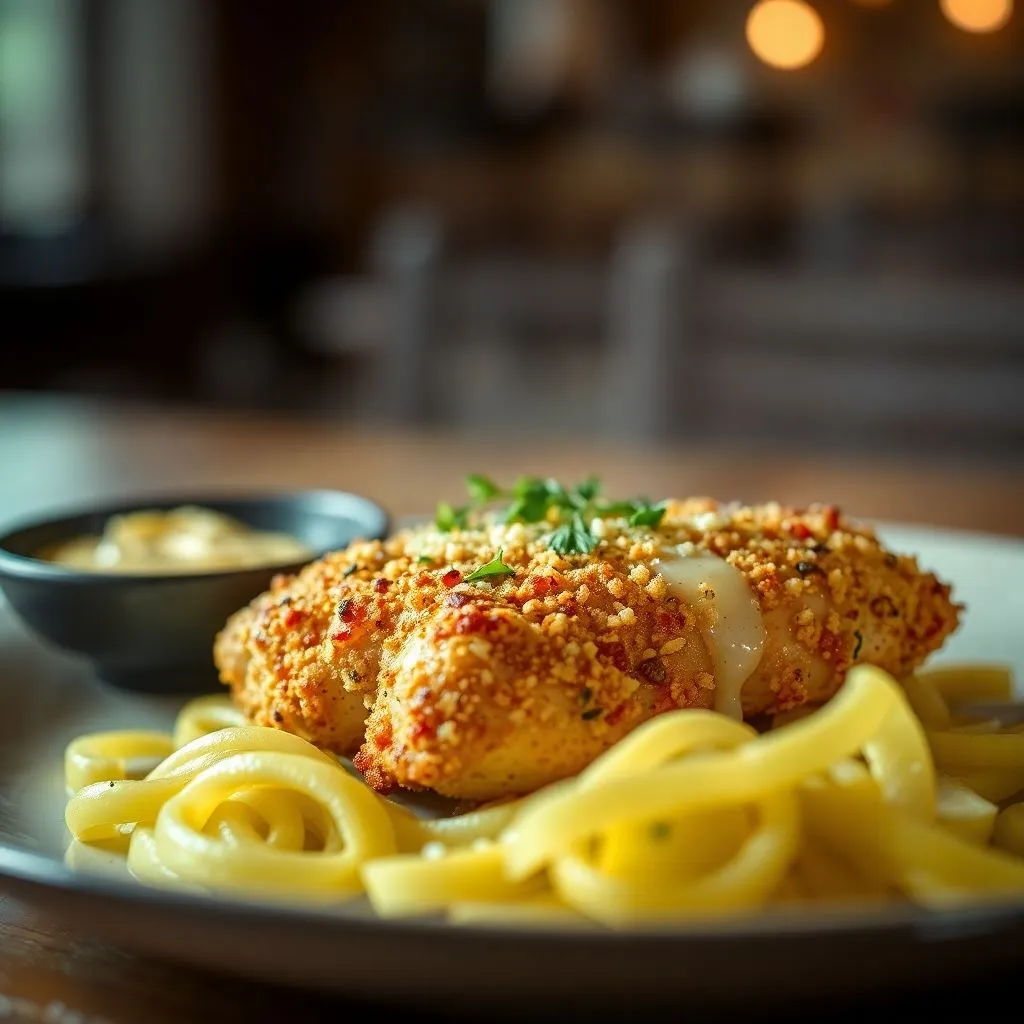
{"x":349,"y":571}
{"x":617,"y":509}
{"x":481,"y":488}
{"x":860,"y":643}
{"x":589,"y":489}
{"x":448,"y":518}
{"x":531,"y":500}
{"x":536,"y":500}
{"x":660,"y":830}
{"x":424,"y":560}
{"x":648,"y":515}
{"x":573,"y":537}
{"x":495,"y":567}
{"x":591,"y":713}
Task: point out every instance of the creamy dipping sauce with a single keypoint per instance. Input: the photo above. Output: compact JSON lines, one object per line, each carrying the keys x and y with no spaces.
{"x":186,"y":539}
{"x":728,"y":616}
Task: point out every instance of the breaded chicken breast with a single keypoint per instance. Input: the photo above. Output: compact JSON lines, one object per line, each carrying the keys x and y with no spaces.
{"x":482,"y":663}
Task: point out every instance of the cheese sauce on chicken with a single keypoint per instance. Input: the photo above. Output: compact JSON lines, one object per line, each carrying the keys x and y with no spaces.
{"x":495,"y":687}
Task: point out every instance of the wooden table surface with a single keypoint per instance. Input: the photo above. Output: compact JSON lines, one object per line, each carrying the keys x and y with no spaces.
{"x":58,"y":452}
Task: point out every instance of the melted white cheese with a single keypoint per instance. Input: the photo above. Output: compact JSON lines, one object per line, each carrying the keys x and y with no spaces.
{"x":732,"y":627}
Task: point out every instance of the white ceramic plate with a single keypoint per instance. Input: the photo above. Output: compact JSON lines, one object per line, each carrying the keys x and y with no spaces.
{"x":45,"y":700}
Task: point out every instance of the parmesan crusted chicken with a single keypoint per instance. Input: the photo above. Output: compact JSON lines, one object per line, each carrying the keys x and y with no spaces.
{"x":487,"y":682}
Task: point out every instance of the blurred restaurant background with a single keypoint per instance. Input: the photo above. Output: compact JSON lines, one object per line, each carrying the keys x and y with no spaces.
{"x":784,"y":224}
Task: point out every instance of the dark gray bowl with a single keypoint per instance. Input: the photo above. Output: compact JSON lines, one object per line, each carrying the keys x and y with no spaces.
{"x":155,"y":633}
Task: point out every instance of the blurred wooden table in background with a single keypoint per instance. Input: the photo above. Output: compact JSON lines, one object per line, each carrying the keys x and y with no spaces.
{"x":58,"y":452}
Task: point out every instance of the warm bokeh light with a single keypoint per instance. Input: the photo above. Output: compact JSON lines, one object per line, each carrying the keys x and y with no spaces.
{"x":978,"y":15}
{"x":785,"y":33}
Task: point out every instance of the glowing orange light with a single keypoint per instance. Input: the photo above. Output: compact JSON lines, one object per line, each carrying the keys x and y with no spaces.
{"x":785,"y":33}
{"x":978,"y":15}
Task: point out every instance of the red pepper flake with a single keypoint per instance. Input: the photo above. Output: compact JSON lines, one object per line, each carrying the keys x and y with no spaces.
{"x":451,"y":578}
{"x":381,"y":585}
{"x":472,"y":620}
{"x":799,"y":531}
{"x":830,"y":645}
{"x":421,"y":730}
{"x":670,"y":622}
{"x":663,"y":700}
{"x":616,"y":653}
{"x":293,"y":618}
{"x":382,"y":739}
{"x":543,"y":585}
{"x":831,"y":518}
{"x":348,"y":610}
{"x":616,"y":714}
{"x":341,"y":635}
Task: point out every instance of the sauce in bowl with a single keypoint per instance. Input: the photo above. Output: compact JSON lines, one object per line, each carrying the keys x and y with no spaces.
{"x":188,"y":539}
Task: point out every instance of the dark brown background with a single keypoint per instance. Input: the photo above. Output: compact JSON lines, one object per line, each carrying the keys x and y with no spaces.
{"x":456,"y":213}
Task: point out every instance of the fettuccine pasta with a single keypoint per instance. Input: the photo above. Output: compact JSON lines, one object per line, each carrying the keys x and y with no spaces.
{"x":886,"y":792}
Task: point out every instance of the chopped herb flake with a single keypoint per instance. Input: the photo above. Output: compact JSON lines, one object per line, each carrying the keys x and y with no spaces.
{"x":425,"y":560}
{"x":348,"y":572}
{"x":589,"y":489}
{"x":586,"y":695}
{"x":530,"y":504}
{"x":648,"y":515}
{"x":481,"y":488}
{"x":573,"y":537}
{"x":616,"y":509}
{"x":448,"y":518}
{"x":527,"y":510}
{"x":660,"y":830}
{"x":860,"y":643}
{"x":495,"y":567}
{"x":591,"y":713}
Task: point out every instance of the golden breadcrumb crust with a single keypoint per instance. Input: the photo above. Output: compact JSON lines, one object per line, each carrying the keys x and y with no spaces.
{"x":488,"y":689}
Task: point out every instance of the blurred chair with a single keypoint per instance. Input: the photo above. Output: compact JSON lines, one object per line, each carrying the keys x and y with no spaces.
{"x":645,"y":381}
{"x":456,"y":342}
{"x":406,"y":254}
{"x":386,"y":319}
{"x":656,"y":345}
{"x":862,"y":362}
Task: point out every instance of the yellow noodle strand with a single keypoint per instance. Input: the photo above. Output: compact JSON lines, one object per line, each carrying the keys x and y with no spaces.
{"x":692,"y":815}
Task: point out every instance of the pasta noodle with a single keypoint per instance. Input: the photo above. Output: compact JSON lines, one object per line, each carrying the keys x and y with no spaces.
{"x":889,"y":791}
{"x":205,"y":715}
